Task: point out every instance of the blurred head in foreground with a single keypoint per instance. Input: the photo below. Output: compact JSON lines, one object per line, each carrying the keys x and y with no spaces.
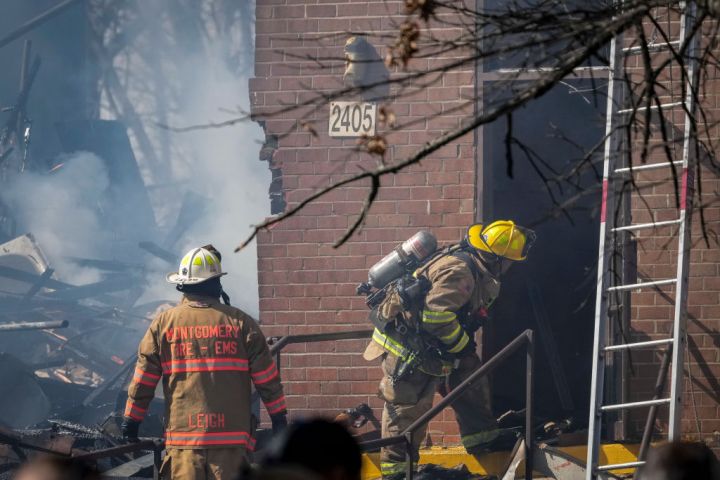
{"x":56,"y":468}
{"x":681,"y":461}
{"x":322,"y":447}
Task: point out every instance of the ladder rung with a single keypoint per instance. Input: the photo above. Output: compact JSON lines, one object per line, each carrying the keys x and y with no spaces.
{"x":618,"y":466}
{"x":649,"y":343}
{"x":645,"y":403}
{"x":652,"y":107}
{"x":640,"y":226}
{"x":527,"y":70}
{"x":506,"y":71}
{"x":652,"y":166}
{"x":598,"y":68}
{"x":620,"y":288}
{"x":653,"y":47}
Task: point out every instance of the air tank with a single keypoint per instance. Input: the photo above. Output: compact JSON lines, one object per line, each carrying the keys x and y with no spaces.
{"x":407,"y":255}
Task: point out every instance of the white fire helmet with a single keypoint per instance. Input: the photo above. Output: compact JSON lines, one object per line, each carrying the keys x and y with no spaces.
{"x":198,"y":265}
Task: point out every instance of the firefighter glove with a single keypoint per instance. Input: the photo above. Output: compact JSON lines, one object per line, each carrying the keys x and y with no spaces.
{"x":129,"y":429}
{"x":279,"y":423}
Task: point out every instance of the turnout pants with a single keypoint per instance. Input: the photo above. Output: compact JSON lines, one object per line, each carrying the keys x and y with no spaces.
{"x":408,"y":399}
{"x":207,"y":464}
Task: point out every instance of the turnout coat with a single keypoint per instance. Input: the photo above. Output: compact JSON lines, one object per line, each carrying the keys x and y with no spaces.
{"x":208,"y":355}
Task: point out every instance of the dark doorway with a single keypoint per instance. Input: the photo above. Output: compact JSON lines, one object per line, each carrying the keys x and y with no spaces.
{"x":557,"y":282}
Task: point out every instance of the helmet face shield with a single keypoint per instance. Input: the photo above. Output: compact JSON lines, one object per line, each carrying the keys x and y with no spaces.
{"x":502,"y":238}
{"x":530,"y":238}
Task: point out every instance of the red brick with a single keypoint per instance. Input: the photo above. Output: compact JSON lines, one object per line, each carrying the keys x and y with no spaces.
{"x":287,"y":291}
{"x":321,"y":289}
{"x":333,"y":276}
{"x":304,"y":303}
{"x":704,"y":298}
{"x":274,"y":303}
{"x":334,"y":25}
{"x":286,"y":236}
{"x":711,"y":313}
{"x":649,"y":313}
{"x":711,"y":284}
{"x":301,"y":250}
{"x":289,"y":318}
{"x":350,"y":262}
{"x":324,"y":374}
{"x":352,"y":374}
{"x":354,"y":10}
{"x":271,"y":26}
{"x":265,"y":251}
{"x":335,"y":303}
{"x":414,"y":206}
{"x":288,"y":11}
{"x":295,"y":402}
{"x":369,"y":388}
{"x":323,"y":236}
{"x":321,"y":11}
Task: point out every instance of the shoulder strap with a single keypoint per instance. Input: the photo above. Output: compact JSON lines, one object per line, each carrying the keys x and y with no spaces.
{"x":449,"y":250}
{"x":467,"y":258}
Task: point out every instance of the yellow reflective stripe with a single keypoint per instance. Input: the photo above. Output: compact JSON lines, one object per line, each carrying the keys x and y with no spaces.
{"x":461,"y":344}
{"x":438,"y":317}
{"x":451,"y":337}
{"x":390,"y":468}
{"x":389,"y":344}
{"x":470,"y":441}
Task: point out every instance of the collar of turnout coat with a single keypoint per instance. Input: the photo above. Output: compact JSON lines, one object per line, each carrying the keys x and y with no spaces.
{"x":199,"y":301}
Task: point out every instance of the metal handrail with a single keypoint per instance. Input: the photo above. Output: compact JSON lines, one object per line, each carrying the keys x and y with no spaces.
{"x":406,"y":436}
{"x":278,"y":343}
{"x":525,"y":339}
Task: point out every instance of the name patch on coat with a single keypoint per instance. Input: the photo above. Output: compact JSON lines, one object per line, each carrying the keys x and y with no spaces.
{"x":202,"y":331}
{"x":206,"y":420}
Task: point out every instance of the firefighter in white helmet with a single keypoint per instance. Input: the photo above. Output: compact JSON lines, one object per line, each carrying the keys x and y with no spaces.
{"x":208,"y":356}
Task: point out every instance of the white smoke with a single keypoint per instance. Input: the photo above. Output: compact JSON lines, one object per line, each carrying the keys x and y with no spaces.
{"x":63,"y":211}
{"x":67,"y":210}
{"x":226,"y":170}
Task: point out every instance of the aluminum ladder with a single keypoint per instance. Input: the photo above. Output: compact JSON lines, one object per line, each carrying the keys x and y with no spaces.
{"x":608,"y":228}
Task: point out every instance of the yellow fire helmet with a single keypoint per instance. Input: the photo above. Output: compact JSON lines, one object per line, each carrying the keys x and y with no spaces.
{"x":502,"y":238}
{"x":198,"y":265}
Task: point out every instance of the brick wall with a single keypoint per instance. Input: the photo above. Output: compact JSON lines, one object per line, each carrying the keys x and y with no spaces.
{"x":306,"y":285}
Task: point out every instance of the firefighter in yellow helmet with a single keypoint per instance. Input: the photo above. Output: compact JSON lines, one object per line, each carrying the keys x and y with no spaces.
{"x":208,"y":356}
{"x":430,"y":346}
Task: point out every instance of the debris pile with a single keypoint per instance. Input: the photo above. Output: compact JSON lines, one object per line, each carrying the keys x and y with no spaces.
{"x":67,"y":341}
{"x":66,"y":354}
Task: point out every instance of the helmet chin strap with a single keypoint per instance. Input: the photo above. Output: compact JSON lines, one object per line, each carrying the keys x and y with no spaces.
{"x":493,"y":260}
{"x":225,"y":297}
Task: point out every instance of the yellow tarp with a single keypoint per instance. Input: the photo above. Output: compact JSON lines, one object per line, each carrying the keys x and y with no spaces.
{"x":494,"y":463}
